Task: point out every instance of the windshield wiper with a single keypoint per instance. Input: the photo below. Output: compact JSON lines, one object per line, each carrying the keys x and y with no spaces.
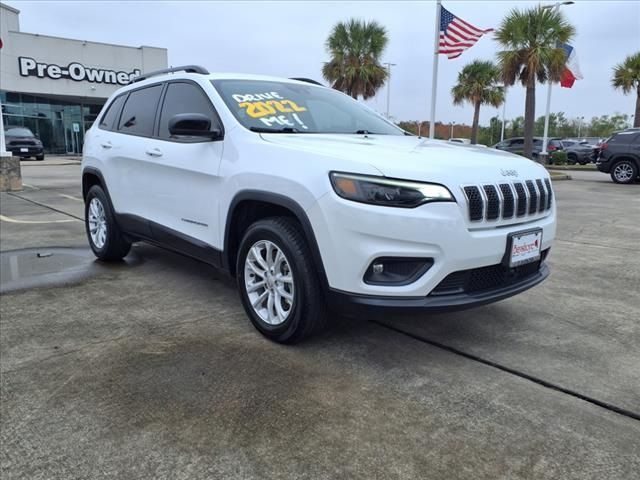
{"x":274,"y":130}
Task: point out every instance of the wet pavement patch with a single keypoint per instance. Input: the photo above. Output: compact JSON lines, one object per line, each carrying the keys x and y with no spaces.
{"x":48,"y":267}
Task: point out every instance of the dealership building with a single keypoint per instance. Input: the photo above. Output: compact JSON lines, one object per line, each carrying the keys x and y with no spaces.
{"x":57,"y":86}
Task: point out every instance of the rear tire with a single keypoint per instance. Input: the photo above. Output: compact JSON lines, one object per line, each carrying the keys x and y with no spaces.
{"x":624,"y":171}
{"x":104,"y":235}
{"x":572,"y":159}
{"x":278,"y":281}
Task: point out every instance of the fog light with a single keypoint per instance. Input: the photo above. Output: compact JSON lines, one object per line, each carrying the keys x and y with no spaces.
{"x":396,"y":271}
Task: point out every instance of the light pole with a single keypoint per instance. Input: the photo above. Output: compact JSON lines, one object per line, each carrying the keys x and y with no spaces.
{"x":504,"y":108}
{"x":580,"y":126}
{"x":452,"y":124}
{"x":389,"y":65}
{"x":631,"y":120}
{"x":545,"y":139}
{"x":3,"y":152}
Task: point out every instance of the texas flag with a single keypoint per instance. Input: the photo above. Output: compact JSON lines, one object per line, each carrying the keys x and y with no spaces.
{"x":571,"y":68}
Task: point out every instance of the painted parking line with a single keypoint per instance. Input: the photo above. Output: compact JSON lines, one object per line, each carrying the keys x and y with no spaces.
{"x":14,"y":220}
{"x":29,"y":186}
{"x":71,"y":197}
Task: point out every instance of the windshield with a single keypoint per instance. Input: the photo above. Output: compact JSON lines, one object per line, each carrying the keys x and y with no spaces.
{"x":272,"y":106}
{"x":18,"y":132}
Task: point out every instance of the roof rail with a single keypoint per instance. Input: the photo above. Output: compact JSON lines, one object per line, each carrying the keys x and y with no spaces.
{"x":308,"y":80}
{"x":184,"y":68}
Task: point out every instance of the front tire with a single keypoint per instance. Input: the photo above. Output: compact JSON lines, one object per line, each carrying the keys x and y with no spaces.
{"x":278,"y":281}
{"x":104,"y":235}
{"x":624,"y":171}
{"x":40,"y":157}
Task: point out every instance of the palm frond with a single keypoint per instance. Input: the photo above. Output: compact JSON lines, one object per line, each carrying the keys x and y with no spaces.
{"x":355,"y":47}
{"x":626,"y":75}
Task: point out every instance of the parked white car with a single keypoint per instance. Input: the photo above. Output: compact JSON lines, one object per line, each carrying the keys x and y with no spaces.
{"x":310,"y":199}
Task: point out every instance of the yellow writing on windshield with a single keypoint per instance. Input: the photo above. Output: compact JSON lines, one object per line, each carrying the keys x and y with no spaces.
{"x":270,"y":107}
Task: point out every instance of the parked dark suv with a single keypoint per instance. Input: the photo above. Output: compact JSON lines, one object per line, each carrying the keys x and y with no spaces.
{"x":620,"y":156}
{"x":21,"y":142}
{"x":516,"y":145}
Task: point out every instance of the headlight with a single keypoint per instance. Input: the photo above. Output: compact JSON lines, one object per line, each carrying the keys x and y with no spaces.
{"x":388,"y":192}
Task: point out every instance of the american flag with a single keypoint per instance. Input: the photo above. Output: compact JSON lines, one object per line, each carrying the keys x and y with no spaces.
{"x":456,"y":35}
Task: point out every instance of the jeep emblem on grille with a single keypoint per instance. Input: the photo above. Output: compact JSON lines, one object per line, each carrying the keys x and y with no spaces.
{"x":509,"y":173}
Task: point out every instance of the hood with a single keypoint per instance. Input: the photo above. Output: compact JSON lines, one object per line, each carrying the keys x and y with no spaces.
{"x":13,"y":138}
{"x":416,"y":158}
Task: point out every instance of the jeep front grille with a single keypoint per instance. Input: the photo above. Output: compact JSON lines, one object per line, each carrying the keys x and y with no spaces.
{"x":493,"y":202}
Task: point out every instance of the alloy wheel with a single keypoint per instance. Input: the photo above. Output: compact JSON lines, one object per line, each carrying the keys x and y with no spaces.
{"x":623,"y":172}
{"x":269,"y":282}
{"x":97,"y":223}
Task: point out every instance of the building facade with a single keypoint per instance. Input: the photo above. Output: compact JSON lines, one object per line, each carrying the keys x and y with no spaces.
{"x":57,"y":86}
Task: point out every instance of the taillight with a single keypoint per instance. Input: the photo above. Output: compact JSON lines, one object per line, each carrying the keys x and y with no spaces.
{"x":603,"y":146}
{"x":551,"y":148}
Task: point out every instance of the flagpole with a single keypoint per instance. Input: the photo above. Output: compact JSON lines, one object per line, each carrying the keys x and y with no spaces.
{"x":434,"y":81}
{"x":545,"y":139}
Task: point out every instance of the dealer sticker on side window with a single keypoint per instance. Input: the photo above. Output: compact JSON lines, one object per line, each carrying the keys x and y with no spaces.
{"x":524,"y":247}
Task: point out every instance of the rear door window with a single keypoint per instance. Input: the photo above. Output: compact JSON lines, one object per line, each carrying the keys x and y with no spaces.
{"x":110,"y":117}
{"x":139,"y":112}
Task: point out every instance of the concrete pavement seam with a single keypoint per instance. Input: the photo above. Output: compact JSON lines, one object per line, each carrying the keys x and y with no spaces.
{"x":45,"y":206}
{"x":606,"y":405}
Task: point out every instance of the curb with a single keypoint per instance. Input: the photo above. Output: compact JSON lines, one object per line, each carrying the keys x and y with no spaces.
{"x":559,"y":176}
{"x":569,"y":168}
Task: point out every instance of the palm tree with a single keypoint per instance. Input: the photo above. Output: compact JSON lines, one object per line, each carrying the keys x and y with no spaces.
{"x":478,"y":85}
{"x":626,"y":77}
{"x":531,"y":40}
{"x":355,"y":48}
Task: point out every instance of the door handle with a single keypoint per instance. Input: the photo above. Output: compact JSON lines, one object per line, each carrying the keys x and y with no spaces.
{"x":154,"y":152}
{"x":106,"y":145}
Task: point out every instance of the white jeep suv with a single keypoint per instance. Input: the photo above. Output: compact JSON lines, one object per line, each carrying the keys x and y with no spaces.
{"x":310,"y":199}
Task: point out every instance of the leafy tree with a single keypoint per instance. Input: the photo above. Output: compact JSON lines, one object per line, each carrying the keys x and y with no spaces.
{"x":605,"y":125}
{"x":490,"y":135}
{"x":554,"y":121}
{"x":478,"y":85}
{"x":517,"y":127}
{"x":355,"y":48}
{"x":626,"y":77}
{"x":531,"y":53}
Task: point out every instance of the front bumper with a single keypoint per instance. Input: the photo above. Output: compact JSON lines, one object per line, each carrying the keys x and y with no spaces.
{"x":603,"y":166}
{"x":32,"y":151}
{"x":352,"y":235}
{"x":379,"y":306}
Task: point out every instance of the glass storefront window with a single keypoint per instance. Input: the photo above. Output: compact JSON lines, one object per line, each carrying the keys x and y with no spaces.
{"x":50,"y":119}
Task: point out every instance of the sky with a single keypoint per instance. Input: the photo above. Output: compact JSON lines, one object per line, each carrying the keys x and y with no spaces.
{"x":287,"y":38}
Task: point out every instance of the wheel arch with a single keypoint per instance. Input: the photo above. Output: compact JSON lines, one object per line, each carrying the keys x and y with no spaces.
{"x":249,"y":206}
{"x":92,"y":176}
{"x":624,"y":157}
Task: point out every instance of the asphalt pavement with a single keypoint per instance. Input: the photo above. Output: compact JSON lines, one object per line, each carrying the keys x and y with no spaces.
{"x":150,"y":369}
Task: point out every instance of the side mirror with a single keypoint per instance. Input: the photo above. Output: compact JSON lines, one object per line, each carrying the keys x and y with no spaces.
{"x":193,"y":125}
